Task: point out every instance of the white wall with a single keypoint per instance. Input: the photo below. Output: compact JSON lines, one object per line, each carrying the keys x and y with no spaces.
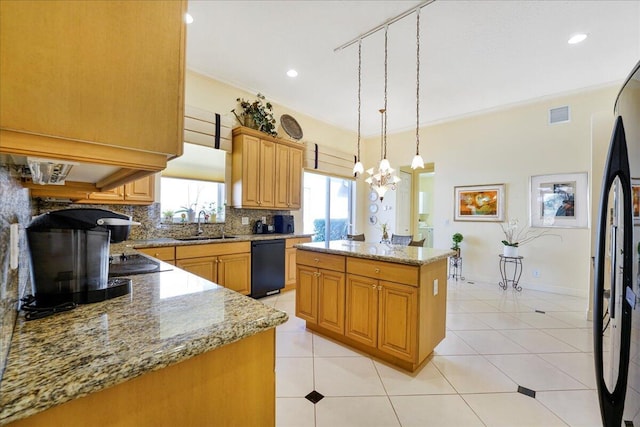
{"x":507,"y":146}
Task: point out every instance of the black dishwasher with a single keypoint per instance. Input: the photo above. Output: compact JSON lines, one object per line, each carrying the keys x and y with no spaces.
{"x":267,"y":267}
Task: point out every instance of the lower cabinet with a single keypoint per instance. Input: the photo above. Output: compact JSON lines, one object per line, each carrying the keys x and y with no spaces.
{"x":382,"y":314}
{"x":227,"y":264}
{"x":392,"y":311}
{"x":290,"y":261}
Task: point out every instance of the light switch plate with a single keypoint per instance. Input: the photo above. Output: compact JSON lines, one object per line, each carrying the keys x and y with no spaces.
{"x":435,"y":287}
{"x":14,"y":250}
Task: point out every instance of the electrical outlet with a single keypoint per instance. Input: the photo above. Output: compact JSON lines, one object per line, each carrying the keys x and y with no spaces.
{"x":245,"y":220}
{"x":435,"y":287}
{"x":264,"y":219}
{"x":536,"y":273}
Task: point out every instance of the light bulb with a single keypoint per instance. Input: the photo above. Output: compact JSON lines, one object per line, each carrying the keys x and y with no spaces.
{"x":417,"y":162}
{"x":358,"y":168}
{"x":384,"y":165}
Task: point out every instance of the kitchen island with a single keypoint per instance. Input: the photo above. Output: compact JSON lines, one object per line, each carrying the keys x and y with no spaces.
{"x":388,"y":301}
{"x":178,"y":350}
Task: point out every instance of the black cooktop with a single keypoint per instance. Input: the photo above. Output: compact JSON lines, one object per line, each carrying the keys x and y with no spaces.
{"x":127,"y":265}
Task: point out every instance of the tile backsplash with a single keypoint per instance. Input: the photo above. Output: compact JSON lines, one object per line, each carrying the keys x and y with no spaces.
{"x":14,"y":208}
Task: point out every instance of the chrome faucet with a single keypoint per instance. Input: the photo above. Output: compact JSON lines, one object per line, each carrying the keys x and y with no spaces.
{"x":200,"y":231}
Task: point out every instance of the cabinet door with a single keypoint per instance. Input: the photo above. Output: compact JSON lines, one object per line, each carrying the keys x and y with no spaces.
{"x":295,"y":179}
{"x":290,"y":267}
{"x":362,"y":309}
{"x":234,"y":272}
{"x":114,"y":195}
{"x":331,"y":301}
{"x":397,"y":320}
{"x":105,"y":72}
{"x":306,"y":293}
{"x":164,"y":253}
{"x":267,"y":174}
{"x":205,"y":267}
{"x":282,"y":177}
{"x":140,"y":190}
{"x":250,"y":171}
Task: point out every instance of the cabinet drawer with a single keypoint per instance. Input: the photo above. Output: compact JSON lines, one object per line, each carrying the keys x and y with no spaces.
{"x":381,"y":270}
{"x":212,"y":249}
{"x":165,"y":253}
{"x":289,"y":243}
{"x":320,"y":260}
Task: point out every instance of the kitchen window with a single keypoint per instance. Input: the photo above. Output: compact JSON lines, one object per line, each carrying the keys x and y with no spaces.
{"x":182,"y":199}
{"x":328,"y":206}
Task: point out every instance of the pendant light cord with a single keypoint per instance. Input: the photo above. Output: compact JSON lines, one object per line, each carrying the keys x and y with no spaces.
{"x":417,"y":81}
{"x":386,"y":30}
{"x":359,"y":91}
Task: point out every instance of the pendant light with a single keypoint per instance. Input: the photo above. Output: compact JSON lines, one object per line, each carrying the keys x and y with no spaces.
{"x":384,"y":179}
{"x":417,"y":161}
{"x":358,"y":168}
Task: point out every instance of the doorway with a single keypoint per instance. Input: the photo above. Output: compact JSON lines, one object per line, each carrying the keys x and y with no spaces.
{"x":424,"y":204}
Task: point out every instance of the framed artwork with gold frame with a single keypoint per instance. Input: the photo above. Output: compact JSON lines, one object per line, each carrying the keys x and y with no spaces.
{"x":479,"y":203}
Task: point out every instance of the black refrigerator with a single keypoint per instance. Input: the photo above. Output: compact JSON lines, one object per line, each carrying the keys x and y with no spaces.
{"x":616,"y":325}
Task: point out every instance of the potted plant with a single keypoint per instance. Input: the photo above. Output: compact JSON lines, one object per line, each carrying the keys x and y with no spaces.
{"x":516,"y":237}
{"x":168,"y":216}
{"x":385,"y":232}
{"x":212,"y":211}
{"x":257,"y":115}
{"x":457,"y":238}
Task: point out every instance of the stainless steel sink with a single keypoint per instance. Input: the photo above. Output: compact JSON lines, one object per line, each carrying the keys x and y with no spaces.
{"x":191,"y":238}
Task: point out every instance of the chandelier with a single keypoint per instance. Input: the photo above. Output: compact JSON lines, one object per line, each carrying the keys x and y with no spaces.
{"x":358,"y":168}
{"x":384,"y":179}
{"x":417,"y":161}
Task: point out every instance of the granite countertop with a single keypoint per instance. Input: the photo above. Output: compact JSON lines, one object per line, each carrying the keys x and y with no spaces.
{"x":198,"y":240}
{"x":168,"y":317}
{"x":410,"y":255}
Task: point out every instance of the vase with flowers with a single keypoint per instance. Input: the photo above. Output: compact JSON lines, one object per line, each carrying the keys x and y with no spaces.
{"x":516,"y":237}
{"x":257,"y":114}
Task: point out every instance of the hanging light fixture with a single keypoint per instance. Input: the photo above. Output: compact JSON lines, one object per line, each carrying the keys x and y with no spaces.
{"x":384,"y":179}
{"x":417,"y":161}
{"x":358,"y":168}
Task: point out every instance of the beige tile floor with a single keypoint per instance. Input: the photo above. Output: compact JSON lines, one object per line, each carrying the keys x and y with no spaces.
{"x":495,"y":342}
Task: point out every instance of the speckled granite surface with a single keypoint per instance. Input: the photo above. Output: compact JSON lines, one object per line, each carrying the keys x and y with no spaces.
{"x":380,"y":251}
{"x":130,"y":245}
{"x":168,"y":317}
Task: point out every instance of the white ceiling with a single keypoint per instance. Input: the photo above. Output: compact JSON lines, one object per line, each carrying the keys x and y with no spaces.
{"x":475,"y":55}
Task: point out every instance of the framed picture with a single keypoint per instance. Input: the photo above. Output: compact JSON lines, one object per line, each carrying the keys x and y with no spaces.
{"x":635,"y":200}
{"x":479,"y":203}
{"x":560,"y":200}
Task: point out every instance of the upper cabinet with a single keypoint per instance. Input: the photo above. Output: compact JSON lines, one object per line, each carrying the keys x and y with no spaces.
{"x":266,"y":172}
{"x":93,"y":82}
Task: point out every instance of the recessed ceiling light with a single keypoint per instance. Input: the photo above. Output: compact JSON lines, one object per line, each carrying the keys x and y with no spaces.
{"x":292,"y":73}
{"x":577,"y":38}
{"x":188,"y":18}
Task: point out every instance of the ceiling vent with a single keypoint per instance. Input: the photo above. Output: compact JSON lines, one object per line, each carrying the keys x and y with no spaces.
{"x":559,"y":115}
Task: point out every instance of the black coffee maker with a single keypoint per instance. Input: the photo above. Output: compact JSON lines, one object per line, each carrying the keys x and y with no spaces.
{"x":69,"y":252}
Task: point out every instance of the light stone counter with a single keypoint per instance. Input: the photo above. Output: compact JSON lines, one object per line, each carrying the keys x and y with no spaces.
{"x":169,"y":317}
{"x":410,"y":255}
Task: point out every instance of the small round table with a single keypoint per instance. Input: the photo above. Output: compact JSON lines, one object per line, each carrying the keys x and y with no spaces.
{"x":517,"y":272}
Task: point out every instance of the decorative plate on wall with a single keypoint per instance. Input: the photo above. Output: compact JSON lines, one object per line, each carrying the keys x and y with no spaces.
{"x":373,"y":208}
{"x":291,"y":126}
{"x":373,"y":196}
{"x":373,"y":220}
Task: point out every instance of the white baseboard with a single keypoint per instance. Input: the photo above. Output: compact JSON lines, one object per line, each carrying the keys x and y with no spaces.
{"x":562,"y":290}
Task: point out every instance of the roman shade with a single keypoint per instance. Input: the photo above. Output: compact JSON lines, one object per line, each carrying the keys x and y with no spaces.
{"x":328,"y":160}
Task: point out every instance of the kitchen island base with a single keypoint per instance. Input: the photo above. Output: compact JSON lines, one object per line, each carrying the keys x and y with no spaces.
{"x":386,"y":301}
{"x":233,"y":385}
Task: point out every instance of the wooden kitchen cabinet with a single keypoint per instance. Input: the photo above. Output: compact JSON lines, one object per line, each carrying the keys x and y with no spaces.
{"x":139,"y":192}
{"x":93,"y":82}
{"x":321,"y":289}
{"x":288,"y":185}
{"x":205,"y":267}
{"x":266,"y":172}
{"x":390,"y":310}
{"x":163,"y":253}
{"x":227,"y":264}
{"x":290,"y":261}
